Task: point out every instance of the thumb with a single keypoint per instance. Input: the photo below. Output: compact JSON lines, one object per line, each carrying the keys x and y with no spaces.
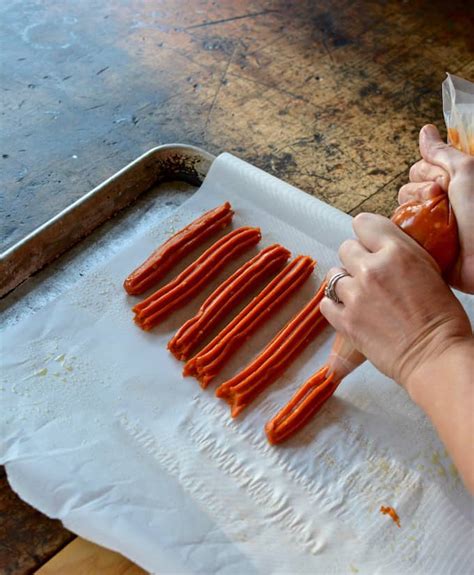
{"x":437,"y":152}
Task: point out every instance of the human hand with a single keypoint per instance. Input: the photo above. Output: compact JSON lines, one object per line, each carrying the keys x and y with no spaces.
{"x":444,"y":169}
{"x":396,"y":309}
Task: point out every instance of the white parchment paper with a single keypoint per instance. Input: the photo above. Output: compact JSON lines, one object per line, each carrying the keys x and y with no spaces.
{"x":99,"y":429}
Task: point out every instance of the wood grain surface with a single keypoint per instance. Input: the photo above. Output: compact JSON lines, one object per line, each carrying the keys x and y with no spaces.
{"x":327,"y":95}
{"x":85,"y":558}
{"x":27,"y":538}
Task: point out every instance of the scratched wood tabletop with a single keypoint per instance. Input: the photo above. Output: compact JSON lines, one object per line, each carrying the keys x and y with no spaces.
{"x":327,"y":95}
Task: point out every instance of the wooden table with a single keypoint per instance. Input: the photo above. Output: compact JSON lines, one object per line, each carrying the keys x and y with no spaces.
{"x":327,"y":95}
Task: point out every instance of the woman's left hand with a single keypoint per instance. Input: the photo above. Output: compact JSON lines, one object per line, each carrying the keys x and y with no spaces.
{"x":395,"y":307}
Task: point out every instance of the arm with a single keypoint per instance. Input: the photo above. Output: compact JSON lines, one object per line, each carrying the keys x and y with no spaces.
{"x":444,"y":389}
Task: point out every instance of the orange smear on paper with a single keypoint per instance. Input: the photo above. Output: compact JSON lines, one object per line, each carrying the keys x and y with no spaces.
{"x":393,"y":514}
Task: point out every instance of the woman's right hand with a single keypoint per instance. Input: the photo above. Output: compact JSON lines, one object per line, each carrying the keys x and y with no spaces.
{"x":444,"y":169}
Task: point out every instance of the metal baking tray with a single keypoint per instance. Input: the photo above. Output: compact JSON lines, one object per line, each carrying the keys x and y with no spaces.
{"x":159,"y":181}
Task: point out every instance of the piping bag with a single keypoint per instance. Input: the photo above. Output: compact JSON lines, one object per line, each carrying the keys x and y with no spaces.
{"x":458,"y":110}
{"x":432,"y":224}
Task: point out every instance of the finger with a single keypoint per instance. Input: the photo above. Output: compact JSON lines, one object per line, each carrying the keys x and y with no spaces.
{"x":375,"y":231}
{"x":343,"y":284}
{"x":435,"y":151}
{"x":419,"y":191}
{"x":423,"y":171}
{"x":334,"y":313}
{"x":351,"y":254}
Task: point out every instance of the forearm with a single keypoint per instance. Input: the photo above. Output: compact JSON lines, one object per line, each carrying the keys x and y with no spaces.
{"x":444,"y":389}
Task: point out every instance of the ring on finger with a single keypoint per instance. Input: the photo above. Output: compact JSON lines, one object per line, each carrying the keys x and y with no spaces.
{"x":330,"y":289}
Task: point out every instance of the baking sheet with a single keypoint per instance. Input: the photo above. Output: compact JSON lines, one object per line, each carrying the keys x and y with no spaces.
{"x":153,"y":170}
{"x":99,"y":429}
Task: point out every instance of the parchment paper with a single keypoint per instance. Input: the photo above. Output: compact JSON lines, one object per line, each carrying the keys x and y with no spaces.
{"x":99,"y":429}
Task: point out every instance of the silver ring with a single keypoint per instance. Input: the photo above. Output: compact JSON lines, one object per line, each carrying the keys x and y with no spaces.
{"x":330,"y":290}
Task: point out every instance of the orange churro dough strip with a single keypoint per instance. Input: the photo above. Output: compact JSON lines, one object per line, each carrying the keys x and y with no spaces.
{"x":304,"y":404}
{"x":210,"y":360}
{"x":225,"y":297}
{"x":275,"y":358}
{"x":195,"y":277}
{"x":175,"y":248}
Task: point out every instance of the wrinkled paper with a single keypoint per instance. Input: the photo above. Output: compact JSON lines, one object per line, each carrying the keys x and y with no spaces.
{"x":99,"y":429}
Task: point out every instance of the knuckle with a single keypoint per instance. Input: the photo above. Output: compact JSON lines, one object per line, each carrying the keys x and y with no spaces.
{"x":364,"y":269}
{"x":345,"y":247}
{"x":399,"y":256}
{"x":365,"y":220}
{"x":367,"y":268}
{"x":405,"y":188}
{"x":442,"y":179}
{"x":363,"y":217}
{"x":394,"y":250}
{"x":404,"y":194}
{"x":413,"y":171}
{"x":400,"y":197}
{"x":358,"y":220}
{"x":373,"y":274}
{"x":342,"y":249}
{"x":437,"y":149}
